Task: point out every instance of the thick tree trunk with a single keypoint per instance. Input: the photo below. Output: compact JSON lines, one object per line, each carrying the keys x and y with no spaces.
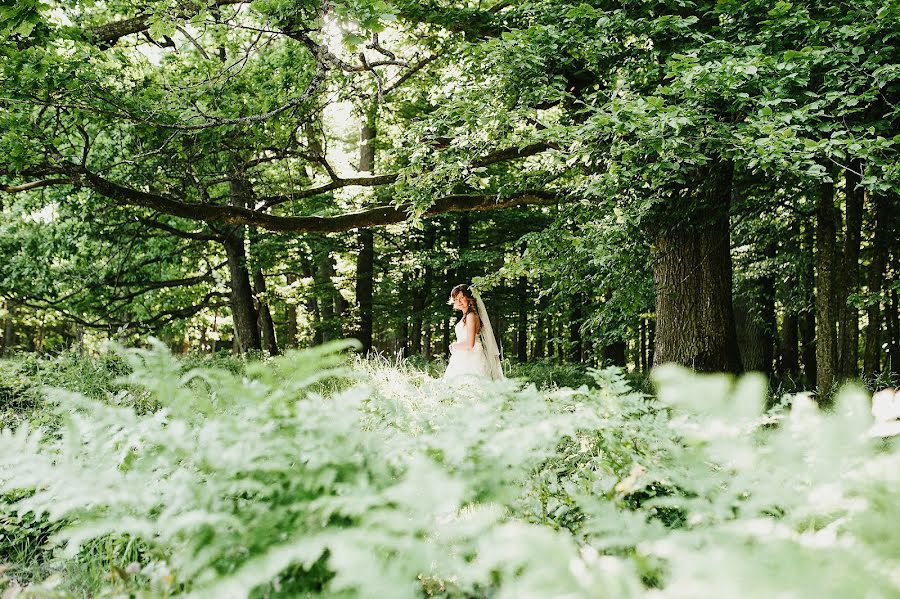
{"x":692,"y":271}
{"x":826,"y":308}
{"x":242,"y":311}
{"x":848,"y":341}
{"x":266,"y":326}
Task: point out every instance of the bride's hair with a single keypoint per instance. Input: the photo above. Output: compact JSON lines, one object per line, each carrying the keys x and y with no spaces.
{"x":467,"y":293}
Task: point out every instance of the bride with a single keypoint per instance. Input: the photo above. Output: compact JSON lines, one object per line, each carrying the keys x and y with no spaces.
{"x":475,"y":351}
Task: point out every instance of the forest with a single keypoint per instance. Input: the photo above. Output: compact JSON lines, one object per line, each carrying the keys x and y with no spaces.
{"x":217,"y":208}
{"x":713,"y":185}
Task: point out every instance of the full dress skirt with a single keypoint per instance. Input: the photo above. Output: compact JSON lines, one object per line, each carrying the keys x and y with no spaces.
{"x":466,"y":363}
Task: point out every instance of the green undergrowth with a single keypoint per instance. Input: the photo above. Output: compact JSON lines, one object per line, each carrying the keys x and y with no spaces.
{"x":317,"y":474}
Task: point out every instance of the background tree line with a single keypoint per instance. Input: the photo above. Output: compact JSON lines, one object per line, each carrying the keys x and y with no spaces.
{"x":710,"y":183}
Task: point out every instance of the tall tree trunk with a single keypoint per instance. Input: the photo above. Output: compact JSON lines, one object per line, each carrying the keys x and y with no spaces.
{"x":893,"y":314}
{"x":848,"y":341}
{"x":755,"y":321}
{"x":418,"y":307}
{"x":522,"y":329}
{"x":291,"y":315}
{"x":808,"y":318}
{"x":266,"y":326}
{"x":243,"y":311}
{"x":826,"y":308}
{"x":789,"y":362}
{"x":790,"y":356}
{"x":874,"y":280}
{"x":692,"y":271}
{"x":365,"y":262}
{"x":365,"y":286}
{"x":540,"y":329}
{"x":403,"y":328}
{"x":651,"y":342}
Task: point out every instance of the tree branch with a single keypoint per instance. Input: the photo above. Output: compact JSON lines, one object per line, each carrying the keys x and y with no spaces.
{"x":488,"y":159}
{"x":33,"y":185}
{"x":107,"y":35}
{"x":374,"y":217}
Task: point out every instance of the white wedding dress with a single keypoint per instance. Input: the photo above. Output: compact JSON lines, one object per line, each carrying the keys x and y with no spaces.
{"x":467,"y":362}
{"x":484,"y":359}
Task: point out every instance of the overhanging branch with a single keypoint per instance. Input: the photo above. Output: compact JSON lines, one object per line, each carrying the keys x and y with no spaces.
{"x":374,"y":217}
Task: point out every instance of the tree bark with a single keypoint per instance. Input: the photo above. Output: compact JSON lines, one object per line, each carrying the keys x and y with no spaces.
{"x":522,"y":329}
{"x":651,"y":342}
{"x":808,"y":317}
{"x":826,"y":308}
{"x":755,"y":322}
{"x":266,"y":326}
{"x":365,"y":262}
{"x":291,"y":316}
{"x":365,"y":285}
{"x":242,"y":310}
{"x":789,"y":354}
{"x":848,"y":340}
{"x":874,"y":281}
{"x":693,"y":276}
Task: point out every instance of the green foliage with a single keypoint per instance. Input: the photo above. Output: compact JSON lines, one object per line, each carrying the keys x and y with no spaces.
{"x":302,"y":476}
